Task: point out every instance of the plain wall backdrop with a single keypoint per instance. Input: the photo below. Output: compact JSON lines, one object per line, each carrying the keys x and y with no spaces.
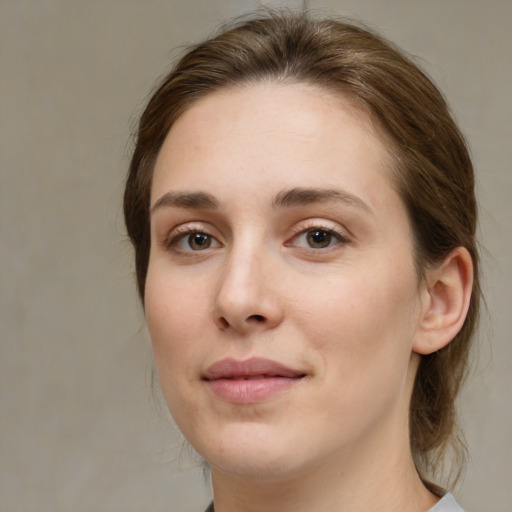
{"x":80,"y":430}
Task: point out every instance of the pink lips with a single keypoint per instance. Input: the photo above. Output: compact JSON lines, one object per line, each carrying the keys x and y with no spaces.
{"x":250,"y":381}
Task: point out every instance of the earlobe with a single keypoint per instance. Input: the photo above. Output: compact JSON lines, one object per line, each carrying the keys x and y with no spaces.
{"x":446,"y":301}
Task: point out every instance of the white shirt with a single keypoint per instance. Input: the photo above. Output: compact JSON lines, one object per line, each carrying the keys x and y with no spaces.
{"x":447,"y":504}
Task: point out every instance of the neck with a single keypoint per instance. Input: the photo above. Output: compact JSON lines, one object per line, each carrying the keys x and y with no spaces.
{"x":384,"y":489}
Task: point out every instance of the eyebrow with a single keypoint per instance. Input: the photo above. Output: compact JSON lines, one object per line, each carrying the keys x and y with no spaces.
{"x":302,"y":196}
{"x":186,"y":200}
{"x":285,"y":199}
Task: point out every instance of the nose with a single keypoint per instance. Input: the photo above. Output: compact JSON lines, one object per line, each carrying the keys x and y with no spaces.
{"x":247,"y":297}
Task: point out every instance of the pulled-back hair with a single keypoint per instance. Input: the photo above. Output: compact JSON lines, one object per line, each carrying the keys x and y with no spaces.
{"x":432,"y":169}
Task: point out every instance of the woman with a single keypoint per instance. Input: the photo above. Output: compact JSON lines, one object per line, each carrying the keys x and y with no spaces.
{"x":302,"y":209}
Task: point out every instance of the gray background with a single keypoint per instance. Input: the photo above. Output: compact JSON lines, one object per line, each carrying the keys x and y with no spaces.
{"x":80,"y":430}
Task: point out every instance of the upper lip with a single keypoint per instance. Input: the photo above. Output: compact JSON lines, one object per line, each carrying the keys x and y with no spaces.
{"x":234,"y":369}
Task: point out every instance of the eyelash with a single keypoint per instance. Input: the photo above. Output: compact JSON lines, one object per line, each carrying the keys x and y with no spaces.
{"x":181,"y":233}
{"x":342,"y":238}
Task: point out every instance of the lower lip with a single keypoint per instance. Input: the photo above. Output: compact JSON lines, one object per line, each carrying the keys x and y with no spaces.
{"x":240,"y":391}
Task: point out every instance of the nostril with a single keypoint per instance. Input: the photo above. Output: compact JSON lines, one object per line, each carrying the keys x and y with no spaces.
{"x":224,"y":323}
{"x":257,"y":318}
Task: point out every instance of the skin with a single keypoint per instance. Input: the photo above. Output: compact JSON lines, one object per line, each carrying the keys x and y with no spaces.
{"x":350,"y":315}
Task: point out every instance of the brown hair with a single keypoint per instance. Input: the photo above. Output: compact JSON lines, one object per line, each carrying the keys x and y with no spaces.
{"x":432,"y":167}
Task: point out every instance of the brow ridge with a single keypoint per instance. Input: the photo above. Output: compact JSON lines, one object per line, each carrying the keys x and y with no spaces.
{"x":186,"y":200}
{"x":299,"y":196}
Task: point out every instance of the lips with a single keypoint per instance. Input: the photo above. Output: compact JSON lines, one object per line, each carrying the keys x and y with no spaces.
{"x":250,"y":381}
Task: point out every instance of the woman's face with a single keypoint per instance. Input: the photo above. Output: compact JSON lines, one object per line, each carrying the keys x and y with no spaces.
{"x":281,"y":296}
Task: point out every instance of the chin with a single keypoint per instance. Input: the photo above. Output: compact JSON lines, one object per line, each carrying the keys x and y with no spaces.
{"x":253,"y":453}
{"x":254,"y":466}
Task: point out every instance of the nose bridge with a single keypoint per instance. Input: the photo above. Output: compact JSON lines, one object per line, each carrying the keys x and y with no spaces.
{"x":246,"y":297}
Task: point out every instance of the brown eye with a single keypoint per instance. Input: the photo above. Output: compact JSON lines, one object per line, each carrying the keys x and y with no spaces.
{"x":199,"y":241}
{"x":191,"y":241}
{"x":319,"y":238}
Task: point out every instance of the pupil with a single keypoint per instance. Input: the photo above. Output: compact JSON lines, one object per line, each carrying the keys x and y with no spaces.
{"x":199,"y":241}
{"x":319,"y":238}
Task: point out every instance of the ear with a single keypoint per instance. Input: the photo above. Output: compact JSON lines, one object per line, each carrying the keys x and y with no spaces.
{"x":445,"y":301}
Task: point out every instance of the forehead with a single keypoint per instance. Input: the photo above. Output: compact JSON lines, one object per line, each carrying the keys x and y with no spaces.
{"x":273,"y":134}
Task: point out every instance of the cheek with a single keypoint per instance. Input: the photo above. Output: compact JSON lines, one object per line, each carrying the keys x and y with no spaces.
{"x":364,"y":332}
{"x":365,"y":318}
{"x":173,"y":322}
{"x":175,"y":316}
{"x":174,"y":306}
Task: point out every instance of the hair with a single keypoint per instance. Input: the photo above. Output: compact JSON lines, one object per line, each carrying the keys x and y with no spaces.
{"x":432,"y":169}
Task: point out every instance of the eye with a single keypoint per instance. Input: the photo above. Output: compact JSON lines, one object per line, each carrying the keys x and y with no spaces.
{"x":192,"y":241}
{"x":318,"y":238}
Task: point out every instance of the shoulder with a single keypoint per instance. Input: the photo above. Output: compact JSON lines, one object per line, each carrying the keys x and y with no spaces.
{"x":447,"y":504}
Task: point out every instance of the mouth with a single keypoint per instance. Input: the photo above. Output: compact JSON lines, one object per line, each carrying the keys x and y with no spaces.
{"x":251,"y":381}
